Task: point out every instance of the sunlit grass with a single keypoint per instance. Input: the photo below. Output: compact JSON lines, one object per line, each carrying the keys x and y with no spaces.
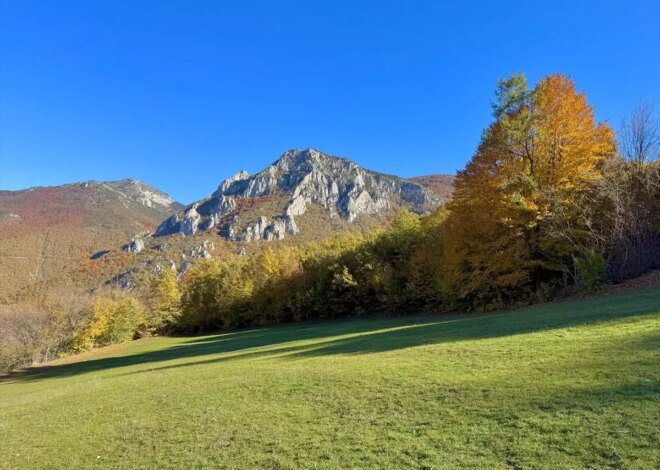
{"x":565,"y":385}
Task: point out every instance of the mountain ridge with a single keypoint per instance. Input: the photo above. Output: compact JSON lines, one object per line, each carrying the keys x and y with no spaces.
{"x":297,"y":180}
{"x":46,"y":230}
{"x":126,"y":186}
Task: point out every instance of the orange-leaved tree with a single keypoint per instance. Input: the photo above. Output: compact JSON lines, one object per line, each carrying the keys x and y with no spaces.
{"x":515,"y":225}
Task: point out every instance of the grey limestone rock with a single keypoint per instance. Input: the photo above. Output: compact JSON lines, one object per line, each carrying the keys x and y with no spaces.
{"x":338,"y":185}
{"x":136,"y":245}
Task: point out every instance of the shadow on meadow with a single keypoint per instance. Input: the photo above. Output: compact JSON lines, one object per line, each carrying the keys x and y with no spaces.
{"x":223,"y":343}
{"x":530,"y":320}
{"x":366,"y":335}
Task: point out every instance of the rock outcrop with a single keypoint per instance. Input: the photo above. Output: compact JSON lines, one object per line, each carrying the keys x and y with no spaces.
{"x":301,"y":177}
{"x":136,"y":245}
{"x":202,"y":250}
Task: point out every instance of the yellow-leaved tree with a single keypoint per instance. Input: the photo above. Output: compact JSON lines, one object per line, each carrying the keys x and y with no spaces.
{"x":164,"y":302}
{"x":116,"y":317}
{"x":515,"y":226}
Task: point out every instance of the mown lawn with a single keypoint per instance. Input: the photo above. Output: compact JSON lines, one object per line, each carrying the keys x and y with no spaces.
{"x":565,"y":385}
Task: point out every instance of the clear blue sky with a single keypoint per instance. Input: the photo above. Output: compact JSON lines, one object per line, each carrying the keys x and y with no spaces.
{"x":182,"y":94}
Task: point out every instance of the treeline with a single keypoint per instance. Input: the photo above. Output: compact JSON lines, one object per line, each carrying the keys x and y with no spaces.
{"x":549,"y":204}
{"x":393,"y":271}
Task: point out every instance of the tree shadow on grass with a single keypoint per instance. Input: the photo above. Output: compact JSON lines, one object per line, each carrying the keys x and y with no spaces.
{"x":366,"y":335}
{"x":399,"y":333}
{"x":530,"y":320}
{"x":227,"y":343}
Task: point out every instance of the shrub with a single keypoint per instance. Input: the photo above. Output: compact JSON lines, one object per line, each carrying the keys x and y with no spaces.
{"x":21,"y":335}
{"x":114,"y":319}
{"x":590,"y":270}
{"x":31,"y":334}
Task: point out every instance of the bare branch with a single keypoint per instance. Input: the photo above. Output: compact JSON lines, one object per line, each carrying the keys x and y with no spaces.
{"x":639,"y":138}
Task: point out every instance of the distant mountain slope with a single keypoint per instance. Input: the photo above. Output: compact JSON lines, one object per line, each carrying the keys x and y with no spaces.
{"x":72,"y":235}
{"x":90,"y":204}
{"x":301,"y":184}
{"x":439,"y":183}
{"x":44,"y":230}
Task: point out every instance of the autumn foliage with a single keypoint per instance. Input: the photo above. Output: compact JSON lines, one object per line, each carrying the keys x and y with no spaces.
{"x":525,"y":182}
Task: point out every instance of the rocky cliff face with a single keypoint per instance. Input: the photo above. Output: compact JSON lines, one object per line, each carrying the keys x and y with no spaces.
{"x":299,"y":178}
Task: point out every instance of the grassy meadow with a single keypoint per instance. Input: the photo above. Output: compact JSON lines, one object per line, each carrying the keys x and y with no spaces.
{"x":562,"y":385}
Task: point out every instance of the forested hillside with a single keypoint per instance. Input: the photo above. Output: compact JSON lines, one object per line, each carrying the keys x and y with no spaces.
{"x":439,"y":183}
{"x":47,"y":231}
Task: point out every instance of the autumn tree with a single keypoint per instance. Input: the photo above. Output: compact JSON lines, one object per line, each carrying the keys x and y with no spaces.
{"x":164,"y":301}
{"x":116,"y":317}
{"x":276,"y":284}
{"x":541,"y":154}
{"x":216,"y":294}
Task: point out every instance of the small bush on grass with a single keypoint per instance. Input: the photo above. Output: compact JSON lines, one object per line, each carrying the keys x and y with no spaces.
{"x":115,"y":318}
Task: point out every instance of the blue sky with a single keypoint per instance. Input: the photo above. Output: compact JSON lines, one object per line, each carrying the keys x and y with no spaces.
{"x":182,"y":94}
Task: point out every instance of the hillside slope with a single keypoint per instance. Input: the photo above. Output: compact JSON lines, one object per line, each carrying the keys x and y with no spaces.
{"x":439,"y":183}
{"x":45,"y":230}
{"x":562,"y":385}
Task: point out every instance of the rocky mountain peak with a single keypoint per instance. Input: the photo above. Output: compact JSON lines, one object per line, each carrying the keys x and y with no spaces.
{"x":300,"y":159}
{"x":134,"y":190}
{"x":240,"y":176}
{"x":299,"y":178}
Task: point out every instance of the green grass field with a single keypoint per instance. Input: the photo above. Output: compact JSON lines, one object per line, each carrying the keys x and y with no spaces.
{"x":564,"y":385}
